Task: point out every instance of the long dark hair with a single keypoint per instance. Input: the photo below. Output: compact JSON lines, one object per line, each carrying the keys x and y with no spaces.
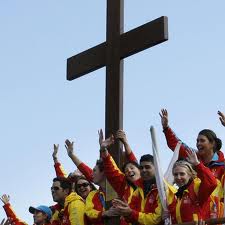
{"x":211,"y":136}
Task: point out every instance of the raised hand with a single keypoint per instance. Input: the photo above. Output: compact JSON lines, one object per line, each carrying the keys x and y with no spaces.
{"x":107,"y":142}
{"x":121,"y":135}
{"x":55,"y":151}
{"x":192,"y":158}
{"x":69,"y":147}
{"x":164,"y":118}
{"x":5,"y":199}
{"x":9,"y":221}
{"x":101,"y":137}
{"x":4,"y":222}
{"x":222,"y":118}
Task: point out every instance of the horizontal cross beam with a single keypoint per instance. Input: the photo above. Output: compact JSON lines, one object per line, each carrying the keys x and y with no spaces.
{"x":131,"y":42}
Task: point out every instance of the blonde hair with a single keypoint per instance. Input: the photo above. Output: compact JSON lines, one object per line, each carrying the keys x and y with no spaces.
{"x":188,"y":166}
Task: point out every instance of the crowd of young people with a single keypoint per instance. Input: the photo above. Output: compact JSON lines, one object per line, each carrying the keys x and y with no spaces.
{"x":195,"y":195}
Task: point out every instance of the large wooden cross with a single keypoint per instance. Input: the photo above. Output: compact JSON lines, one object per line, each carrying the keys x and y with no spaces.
{"x":111,"y":53}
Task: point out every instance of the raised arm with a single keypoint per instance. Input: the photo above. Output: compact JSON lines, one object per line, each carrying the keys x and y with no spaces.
{"x":70,"y":152}
{"x":59,"y":170}
{"x":171,"y":138}
{"x":8,"y":221}
{"x":55,"y":152}
{"x":164,"y":119}
{"x":121,"y":135}
{"x":115,"y":177}
{"x":84,"y":169}
{"x":104,"y":144}
{"x":9,"y":211}
{"x":222,"y":118}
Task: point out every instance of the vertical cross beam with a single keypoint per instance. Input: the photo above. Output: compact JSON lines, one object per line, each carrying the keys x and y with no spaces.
{"x":111,"y":53}
{"x":114,"y":86}
{"x":114,"y":73}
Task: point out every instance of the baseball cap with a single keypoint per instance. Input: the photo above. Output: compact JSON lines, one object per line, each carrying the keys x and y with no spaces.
{"x":41,"y":208}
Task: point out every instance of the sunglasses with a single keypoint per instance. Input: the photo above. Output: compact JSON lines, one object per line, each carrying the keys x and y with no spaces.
{"x":55,"y":188}
{"x":83,"y":185}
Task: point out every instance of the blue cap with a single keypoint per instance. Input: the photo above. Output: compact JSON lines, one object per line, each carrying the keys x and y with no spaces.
{"x":42,"y":208}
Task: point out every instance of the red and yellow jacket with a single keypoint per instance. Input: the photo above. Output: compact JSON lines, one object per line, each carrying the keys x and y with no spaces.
{"x":115,"y":177}
{"x":131,"y":157}
{"x":85,"y":169}
{"x":12,"y":215}
{"x":195,"y":202}
{"x":95,"y":206}
{"x":88,"y":172}
{"x":72,"y":213}
{"x":145,"y":209}
{"x":59,"y":170}
{"x":56,"y":216}
{"x":216,"y":166}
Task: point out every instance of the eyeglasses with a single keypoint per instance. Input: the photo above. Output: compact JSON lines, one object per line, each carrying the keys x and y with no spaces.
{"x":55,"y":188}
{"x":82,"y":185}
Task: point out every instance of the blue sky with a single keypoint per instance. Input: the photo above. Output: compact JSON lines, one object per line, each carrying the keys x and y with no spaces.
{"x":40,"y":107}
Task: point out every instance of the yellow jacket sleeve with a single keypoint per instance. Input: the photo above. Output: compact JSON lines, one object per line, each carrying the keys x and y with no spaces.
{"x":76,"y":212}
{"x":92,"y":213}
